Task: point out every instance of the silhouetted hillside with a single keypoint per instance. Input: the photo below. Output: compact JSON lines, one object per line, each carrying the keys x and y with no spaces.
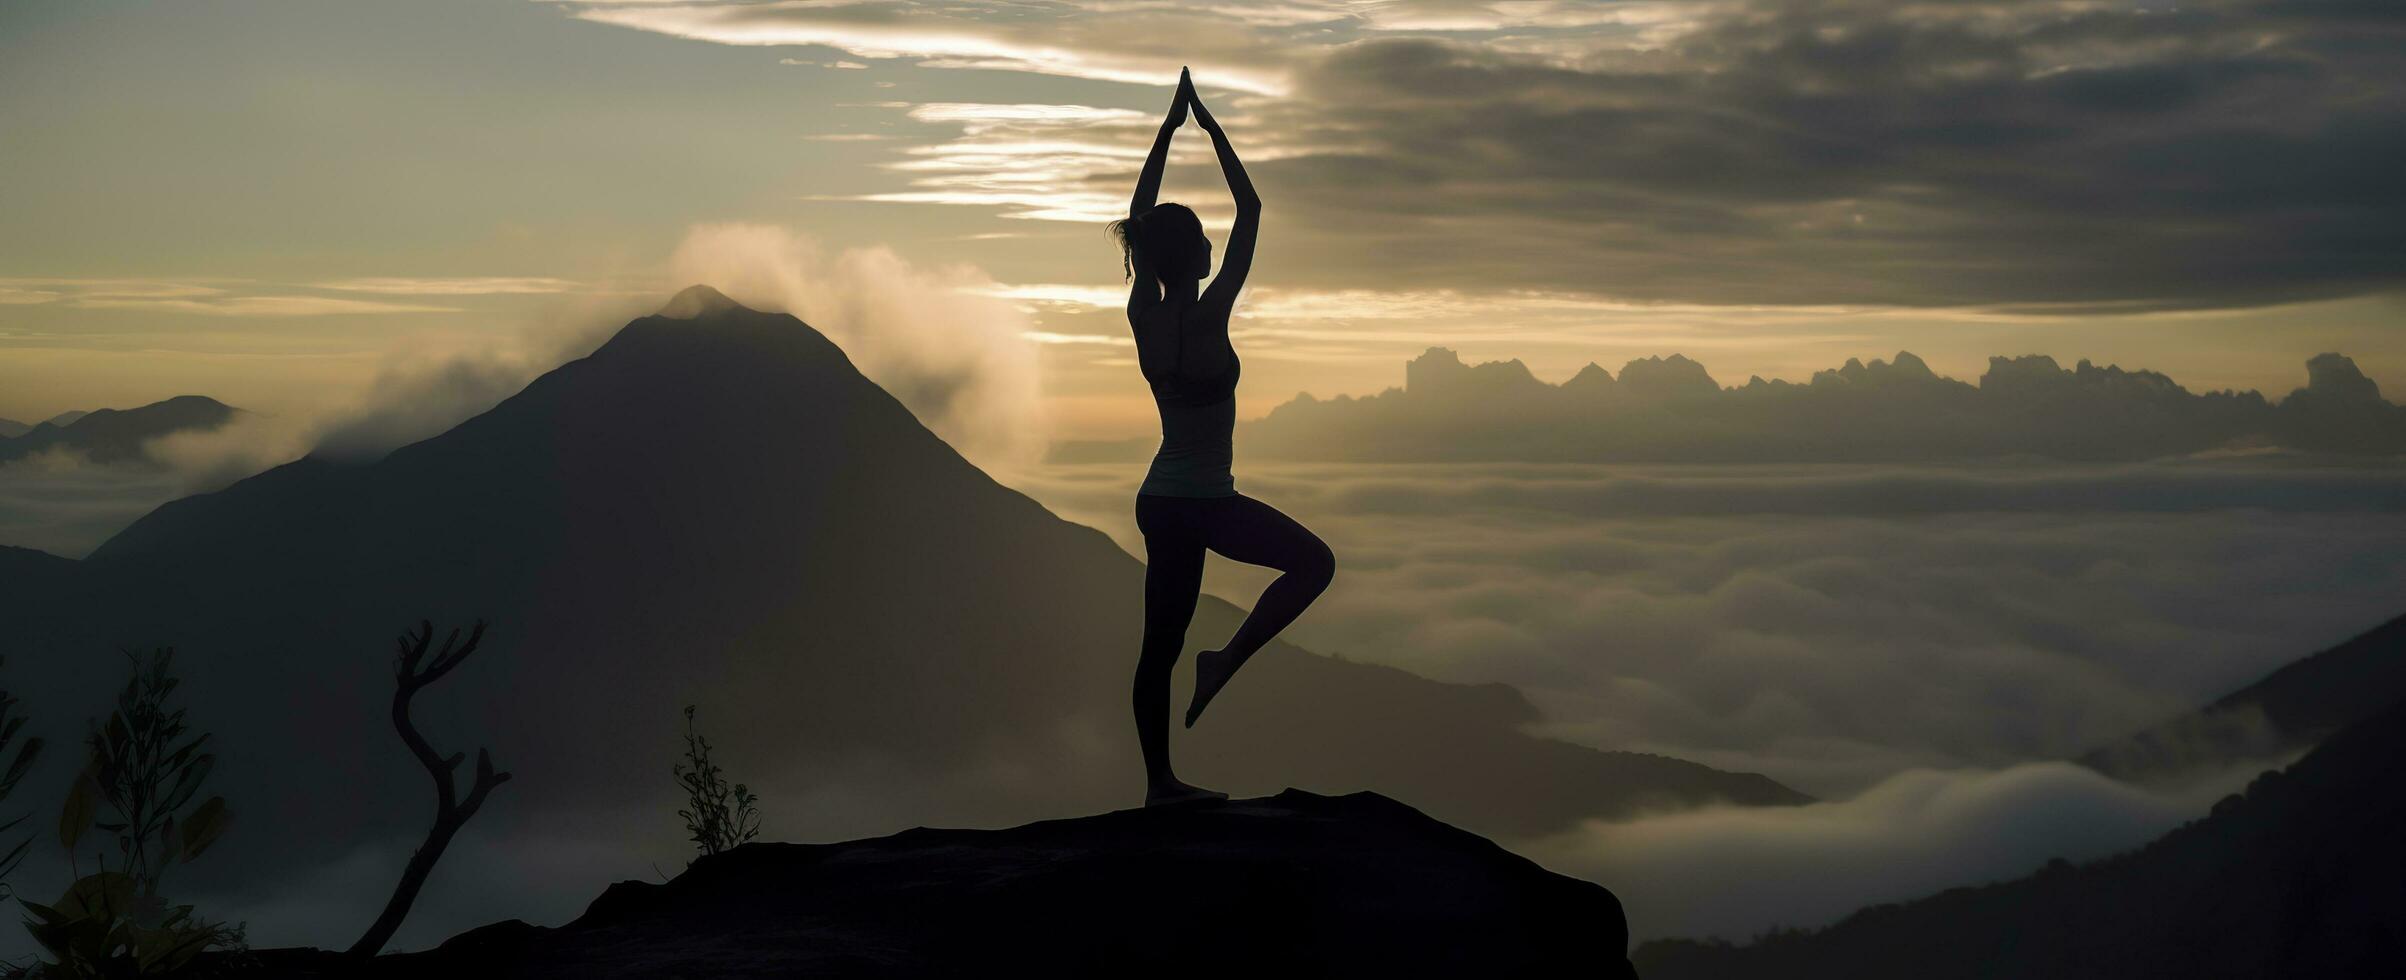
{"x":1668,"y":409}
{"x":30,"y":568}
{"x":2303,"y":876}
{"x":722,"y":511}
{"x":113,"y":435}
{"x":11,"y":428}
{"x":1293,"y":885}
{"x":2290,"y":709}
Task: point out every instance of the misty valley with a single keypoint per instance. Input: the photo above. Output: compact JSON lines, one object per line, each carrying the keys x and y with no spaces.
{"x":1750,"y":698}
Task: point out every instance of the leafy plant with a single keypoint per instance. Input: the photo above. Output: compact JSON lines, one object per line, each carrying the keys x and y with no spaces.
{"x":140,"y":776}
{"x":27,"y":751}
{"x":718,"y":815}
{"x":103,"y":927}
{"x":139,"y":772}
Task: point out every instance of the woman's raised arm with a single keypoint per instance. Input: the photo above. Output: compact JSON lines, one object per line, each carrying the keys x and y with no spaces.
{"x":1237,"y":261}
{"x":1148,"y":181}
{"x":1143,"y":291}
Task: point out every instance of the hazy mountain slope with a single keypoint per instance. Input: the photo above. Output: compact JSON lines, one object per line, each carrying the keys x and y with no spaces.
{"x":116,"y":435}
{"x":11,"y":428}
{"x":30,"y":572}
{"x":722,"y":511}
{"x":2304,"y":876}
{"x":2290,"y":709}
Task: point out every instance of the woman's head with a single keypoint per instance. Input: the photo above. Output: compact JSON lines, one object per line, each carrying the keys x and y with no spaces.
{"x":1169,"y":238}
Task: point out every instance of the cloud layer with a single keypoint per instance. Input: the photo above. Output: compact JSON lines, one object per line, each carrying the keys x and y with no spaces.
{"x":1912,"y":644}
{"x":2038,"y":155}
{"x":2058,"y":156}
{"x":1736,"y":873}
{"x":1830,"y":625}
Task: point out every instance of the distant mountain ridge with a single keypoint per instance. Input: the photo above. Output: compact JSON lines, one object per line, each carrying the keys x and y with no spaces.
{"x":112,"y":435}
{"x":11,"y":428}
{"x":1668,"y":409}
{"x":861,"y":611}
{"x":2302,"y":876}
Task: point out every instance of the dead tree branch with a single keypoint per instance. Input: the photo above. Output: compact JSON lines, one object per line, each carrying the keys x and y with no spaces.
{"x":412,"y":671}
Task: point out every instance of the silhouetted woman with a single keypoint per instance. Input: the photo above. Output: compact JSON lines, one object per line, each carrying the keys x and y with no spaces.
{"x":1188,"y":502}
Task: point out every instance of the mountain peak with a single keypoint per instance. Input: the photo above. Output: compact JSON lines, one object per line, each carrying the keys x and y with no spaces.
{"x":697,"y":301}
{"x":112,"y":435}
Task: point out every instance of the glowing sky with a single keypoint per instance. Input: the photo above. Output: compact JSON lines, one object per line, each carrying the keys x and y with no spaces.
{"x":275,"y":202}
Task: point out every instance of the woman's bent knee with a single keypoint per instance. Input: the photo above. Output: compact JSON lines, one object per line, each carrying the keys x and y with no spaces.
{"x":1318,"y":567}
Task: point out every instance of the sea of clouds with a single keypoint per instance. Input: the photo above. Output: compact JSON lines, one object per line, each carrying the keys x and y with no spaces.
{"x":1830,"y":625}
{"x":1917,"y":646}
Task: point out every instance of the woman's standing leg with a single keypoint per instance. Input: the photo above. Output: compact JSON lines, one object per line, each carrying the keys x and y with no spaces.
{"x":1255,"y":533}
{"x":1173,"y":579}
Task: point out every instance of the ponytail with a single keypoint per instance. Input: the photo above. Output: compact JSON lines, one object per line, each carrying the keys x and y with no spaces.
{"x":1168,"y":233}
{"x":1125,"y":231}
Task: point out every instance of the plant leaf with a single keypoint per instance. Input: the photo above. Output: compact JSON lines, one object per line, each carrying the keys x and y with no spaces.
{"x":202,"y":828}
{"x":16,"y":770}
{"x":76,"y":816}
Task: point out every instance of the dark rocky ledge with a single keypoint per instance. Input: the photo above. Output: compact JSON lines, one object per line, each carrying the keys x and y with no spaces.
{"x":1295,"y":884}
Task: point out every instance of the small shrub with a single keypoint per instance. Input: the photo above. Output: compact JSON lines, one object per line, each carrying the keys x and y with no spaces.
{"x":103,"y":927}
{"x":140,"y":777}
{"x":27,"y":751}
{"x":718,"y":815}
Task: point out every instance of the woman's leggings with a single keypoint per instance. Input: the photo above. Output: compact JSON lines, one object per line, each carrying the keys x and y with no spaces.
{"x":1177,"y":530}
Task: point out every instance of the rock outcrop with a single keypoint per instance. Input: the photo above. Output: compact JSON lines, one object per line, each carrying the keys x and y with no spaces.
{"x":1295,"y":884}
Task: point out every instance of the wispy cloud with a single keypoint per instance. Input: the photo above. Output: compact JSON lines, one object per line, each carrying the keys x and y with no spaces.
{"x":452,"y":286}
{"x":114,"y":287}
{"x":257,"y":305}
{"x":243,"y":297}
{"x":1088,"y":339}
{"x":1042,"y":161}
{"x":933,"y":335}
{"x":206,"y":297}
{"x":1140,"y":43}
{"x":1071,"y":294}
{"x":1029,"y":160}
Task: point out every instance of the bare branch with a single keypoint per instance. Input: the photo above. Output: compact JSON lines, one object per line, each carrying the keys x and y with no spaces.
{"x":450,"y":812}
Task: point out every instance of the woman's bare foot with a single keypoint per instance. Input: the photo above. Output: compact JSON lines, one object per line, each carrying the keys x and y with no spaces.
{"x":1212,"y":671}
{"x":1178,"y":792}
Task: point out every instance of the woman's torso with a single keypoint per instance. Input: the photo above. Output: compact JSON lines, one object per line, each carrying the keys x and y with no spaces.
{"x":1192,"y":368}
